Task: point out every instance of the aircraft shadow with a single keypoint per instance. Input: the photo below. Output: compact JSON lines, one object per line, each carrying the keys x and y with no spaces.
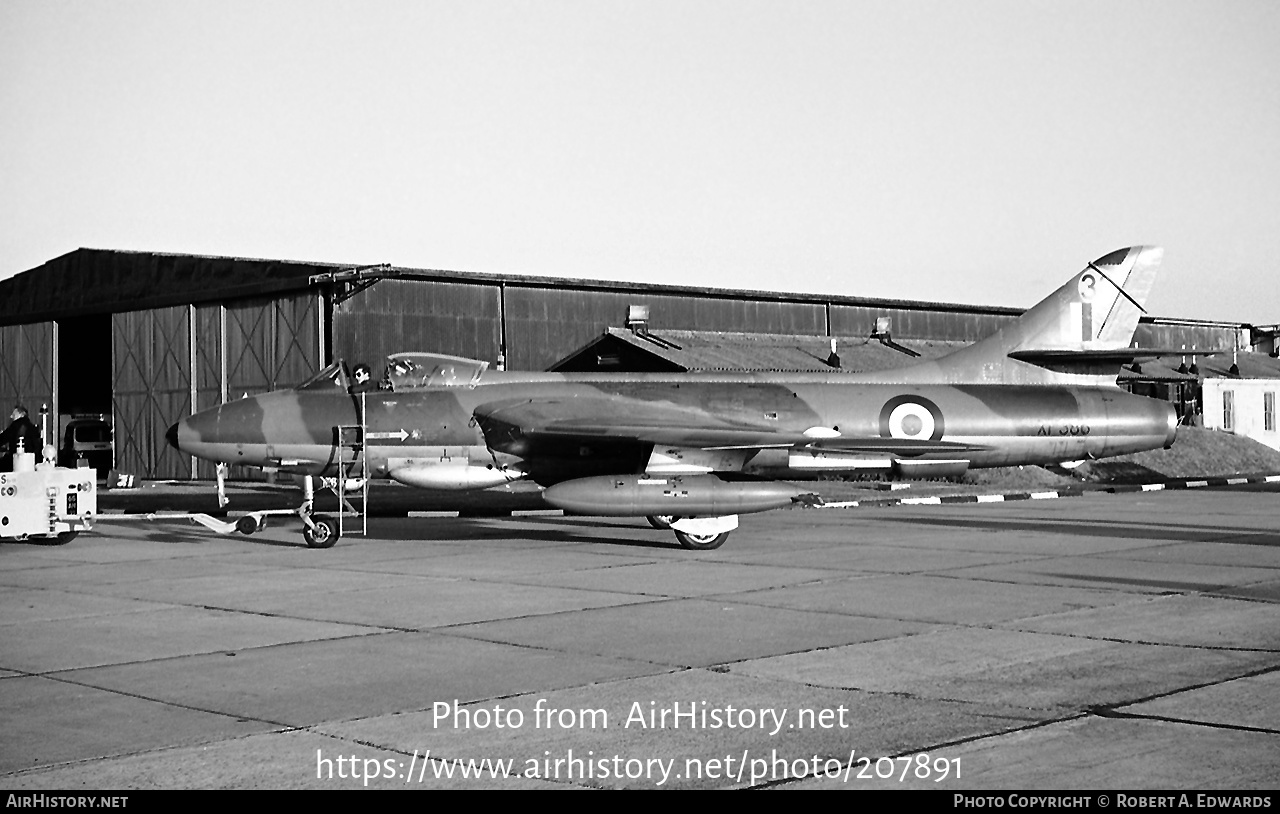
{"x":465,"y":530}
{"x":477,"y":529}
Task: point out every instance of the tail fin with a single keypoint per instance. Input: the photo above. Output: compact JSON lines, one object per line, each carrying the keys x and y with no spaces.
{"x":1097,"y":309}
{"x":1078,"y":334}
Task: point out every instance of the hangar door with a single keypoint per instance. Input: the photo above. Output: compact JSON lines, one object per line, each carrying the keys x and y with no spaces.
{"x":151,"y":389}
{"x":27,"y":371}
{"x":170,"y":362}
{"x":254,"y":346}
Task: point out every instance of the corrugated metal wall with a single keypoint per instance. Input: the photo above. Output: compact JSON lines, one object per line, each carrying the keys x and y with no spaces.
{"x":460,"y":319}
{"x":910,"y":323}
{"x":547,"y":324}
{"x":27,"y":362}
{"x":1191,"y":336}
{"x":542,"y":324}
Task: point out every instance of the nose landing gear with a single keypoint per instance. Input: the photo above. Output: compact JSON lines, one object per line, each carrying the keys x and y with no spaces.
{"x":321,"y":531}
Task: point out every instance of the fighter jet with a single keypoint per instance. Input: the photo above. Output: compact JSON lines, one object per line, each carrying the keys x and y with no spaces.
{"x":693,"y":451}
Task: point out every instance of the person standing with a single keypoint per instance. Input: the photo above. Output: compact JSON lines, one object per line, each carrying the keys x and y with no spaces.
{"x":20,"y":429}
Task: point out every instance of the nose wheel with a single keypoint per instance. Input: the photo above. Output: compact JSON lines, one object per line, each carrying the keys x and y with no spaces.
{"x":323,"y":530}
{"x":320,"y":531}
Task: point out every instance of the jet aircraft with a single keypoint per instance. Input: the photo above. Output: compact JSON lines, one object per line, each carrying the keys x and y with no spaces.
{"x":693,"y":451}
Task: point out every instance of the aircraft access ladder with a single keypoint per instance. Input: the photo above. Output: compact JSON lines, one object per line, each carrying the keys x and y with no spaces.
{"x":351,"y":439}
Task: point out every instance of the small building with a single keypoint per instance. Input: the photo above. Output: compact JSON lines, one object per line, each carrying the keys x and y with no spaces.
{"x":1244,"y":407}
{"x":1239,"y":394}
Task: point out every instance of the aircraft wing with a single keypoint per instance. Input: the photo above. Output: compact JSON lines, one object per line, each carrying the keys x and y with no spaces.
{"x":629,"y":420}
{"x":1118,"y":355}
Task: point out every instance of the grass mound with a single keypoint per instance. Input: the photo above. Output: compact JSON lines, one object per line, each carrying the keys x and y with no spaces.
{"x":1195,"y":453}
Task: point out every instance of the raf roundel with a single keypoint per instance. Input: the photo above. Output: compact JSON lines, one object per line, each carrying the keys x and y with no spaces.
{"x":912,"y":417}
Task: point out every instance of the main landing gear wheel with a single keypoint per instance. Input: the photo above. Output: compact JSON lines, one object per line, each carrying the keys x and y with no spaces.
{"x":662,"y":522}
{"x":701,"y":542}
{"x":323,"y":534}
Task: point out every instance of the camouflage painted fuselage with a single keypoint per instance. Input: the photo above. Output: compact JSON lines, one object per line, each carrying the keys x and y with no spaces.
{"x":296,"y":430}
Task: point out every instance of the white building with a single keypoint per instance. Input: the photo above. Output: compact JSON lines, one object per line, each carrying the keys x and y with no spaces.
{"x":1244,"y":407}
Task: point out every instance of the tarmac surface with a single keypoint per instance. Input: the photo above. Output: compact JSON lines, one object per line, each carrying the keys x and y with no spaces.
{"x":1123,"y":641}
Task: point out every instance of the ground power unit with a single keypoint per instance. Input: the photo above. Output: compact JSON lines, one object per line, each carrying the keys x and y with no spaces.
{"x":44,"y":501}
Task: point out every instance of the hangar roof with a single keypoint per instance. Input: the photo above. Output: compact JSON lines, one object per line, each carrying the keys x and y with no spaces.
{"x":98,"y":281}
{"x":1249,"y":364}
{"x":712,"y":351}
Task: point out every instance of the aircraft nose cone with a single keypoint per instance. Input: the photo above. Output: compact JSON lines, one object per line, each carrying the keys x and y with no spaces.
{"x":228,"y":432}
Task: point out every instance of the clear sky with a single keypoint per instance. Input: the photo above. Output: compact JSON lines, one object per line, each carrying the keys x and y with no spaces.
{"x":973,"y":151}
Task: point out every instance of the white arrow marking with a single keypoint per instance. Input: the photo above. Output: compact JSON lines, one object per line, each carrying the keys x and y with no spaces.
{"x":399,"y":434}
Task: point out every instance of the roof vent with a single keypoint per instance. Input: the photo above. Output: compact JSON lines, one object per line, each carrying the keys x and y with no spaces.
{"x":638,"y":322}
{"x":881,"y":333}
{"x":638,"y":318}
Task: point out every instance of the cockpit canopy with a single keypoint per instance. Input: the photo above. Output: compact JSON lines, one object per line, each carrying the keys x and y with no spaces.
{"x":406,"y":371}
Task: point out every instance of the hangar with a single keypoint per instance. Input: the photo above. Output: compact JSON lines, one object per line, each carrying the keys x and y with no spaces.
{"x":148,"y":338}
